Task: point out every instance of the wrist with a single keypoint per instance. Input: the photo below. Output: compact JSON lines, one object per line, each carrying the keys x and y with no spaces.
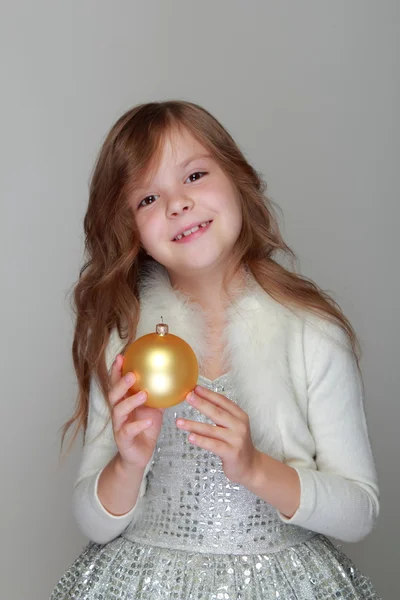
{"x":256,"y":469}
{"x":275,"y":482}
{"x":127,"y":469}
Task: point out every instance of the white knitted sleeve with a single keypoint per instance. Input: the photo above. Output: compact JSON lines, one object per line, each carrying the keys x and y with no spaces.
{"x":99,"y":448}
{"x":340,"y":498}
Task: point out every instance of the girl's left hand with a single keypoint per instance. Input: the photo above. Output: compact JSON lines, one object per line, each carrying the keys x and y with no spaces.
{"x":229,"y":438}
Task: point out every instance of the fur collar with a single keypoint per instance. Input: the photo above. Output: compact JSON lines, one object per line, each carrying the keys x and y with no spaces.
{"x":255,"y":345}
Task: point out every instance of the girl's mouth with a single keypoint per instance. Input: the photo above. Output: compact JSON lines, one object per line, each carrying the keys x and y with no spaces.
{"x":192,"y":234}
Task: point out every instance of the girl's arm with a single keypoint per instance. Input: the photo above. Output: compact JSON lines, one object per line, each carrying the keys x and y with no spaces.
{"x":339,"y":496}
{"x":119,"y":487}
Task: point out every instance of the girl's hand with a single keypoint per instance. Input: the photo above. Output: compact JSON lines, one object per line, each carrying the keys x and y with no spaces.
{"x":229,"y":438}
{"x":136,"y":428}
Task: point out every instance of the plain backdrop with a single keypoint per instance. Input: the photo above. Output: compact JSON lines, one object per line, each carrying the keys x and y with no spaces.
{"x":309,"y":89}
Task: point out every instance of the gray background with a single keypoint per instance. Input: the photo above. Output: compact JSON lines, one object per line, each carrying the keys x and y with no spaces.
{"x":309,"y":89}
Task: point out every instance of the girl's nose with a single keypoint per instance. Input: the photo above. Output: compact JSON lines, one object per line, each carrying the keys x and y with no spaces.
{"x":179,"y":204}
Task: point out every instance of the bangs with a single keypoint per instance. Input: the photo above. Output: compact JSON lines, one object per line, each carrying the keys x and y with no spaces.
{"x":148,"y":144}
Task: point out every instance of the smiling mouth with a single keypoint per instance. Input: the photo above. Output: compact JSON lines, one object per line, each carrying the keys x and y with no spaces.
{"x":190,"y":232}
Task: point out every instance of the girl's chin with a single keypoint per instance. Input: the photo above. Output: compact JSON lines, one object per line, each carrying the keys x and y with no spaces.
{"x":191,"y":267}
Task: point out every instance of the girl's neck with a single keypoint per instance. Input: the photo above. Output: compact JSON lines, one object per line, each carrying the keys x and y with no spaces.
{"x":208,"y":290}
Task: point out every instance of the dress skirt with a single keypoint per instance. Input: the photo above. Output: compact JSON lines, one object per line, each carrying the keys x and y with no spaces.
{"x":127,"y":570}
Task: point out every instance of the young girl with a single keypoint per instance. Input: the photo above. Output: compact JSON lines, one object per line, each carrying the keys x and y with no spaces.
{"x":229,"y":495}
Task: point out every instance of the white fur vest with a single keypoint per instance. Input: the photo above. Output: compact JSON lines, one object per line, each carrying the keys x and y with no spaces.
{"x":268,"y":349}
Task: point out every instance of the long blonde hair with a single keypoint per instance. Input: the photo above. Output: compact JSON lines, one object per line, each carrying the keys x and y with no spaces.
{"x":106,"y":293}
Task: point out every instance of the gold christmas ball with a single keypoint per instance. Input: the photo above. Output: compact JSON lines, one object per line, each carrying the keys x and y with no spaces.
{"x":165,"y":367}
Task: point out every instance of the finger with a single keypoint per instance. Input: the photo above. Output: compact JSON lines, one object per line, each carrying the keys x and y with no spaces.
{"x":115,"y":371}
{"x":206,"y":430}
{"x":125,"y":407}
{"x":219,"y":400}
{"x":219,"y":448}
{"x":217,"y":414}
{"x":118,"y":391}
{"x":132,"y":429}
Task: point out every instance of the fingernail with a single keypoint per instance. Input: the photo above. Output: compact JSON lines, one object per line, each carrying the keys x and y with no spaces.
{"x":141,"y":395}
{"x":191,"y":398}
{"x":129,"y":378}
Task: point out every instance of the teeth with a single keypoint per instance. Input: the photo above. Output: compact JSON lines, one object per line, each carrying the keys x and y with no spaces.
{"x":193,"y":230}
{"x":189,"y":231}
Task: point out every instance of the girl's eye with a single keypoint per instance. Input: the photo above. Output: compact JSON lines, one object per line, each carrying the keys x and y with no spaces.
{"x":149,"y":198}
{"x":201,"y":173}
{"x":193,"y":177}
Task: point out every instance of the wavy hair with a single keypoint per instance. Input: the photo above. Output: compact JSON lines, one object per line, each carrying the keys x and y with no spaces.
{"x":106,"y":293}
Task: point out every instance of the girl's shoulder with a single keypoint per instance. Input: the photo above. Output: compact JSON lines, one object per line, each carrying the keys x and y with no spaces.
{"x":304,"y":330}
{"x":303,"y":322}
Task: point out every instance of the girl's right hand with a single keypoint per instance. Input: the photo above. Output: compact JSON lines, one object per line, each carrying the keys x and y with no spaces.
{"x":136,"y":428}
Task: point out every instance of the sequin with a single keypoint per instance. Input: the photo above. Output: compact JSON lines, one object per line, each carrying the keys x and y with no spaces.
{"x":197,"y":536}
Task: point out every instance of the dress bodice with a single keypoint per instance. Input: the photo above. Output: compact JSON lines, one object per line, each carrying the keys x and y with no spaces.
{"x":190,"y":503}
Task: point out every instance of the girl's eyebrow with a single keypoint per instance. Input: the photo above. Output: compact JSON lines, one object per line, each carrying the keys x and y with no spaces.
{"x":195,"y":157}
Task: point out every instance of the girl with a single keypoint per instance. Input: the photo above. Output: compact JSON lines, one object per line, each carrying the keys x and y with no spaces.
{"x":229,"y":495}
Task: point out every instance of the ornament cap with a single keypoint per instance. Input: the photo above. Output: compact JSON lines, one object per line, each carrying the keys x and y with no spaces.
{"x":162,"y":328}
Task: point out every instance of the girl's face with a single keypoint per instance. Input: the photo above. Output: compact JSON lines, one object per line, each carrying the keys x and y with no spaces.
{"x":188,"y":190}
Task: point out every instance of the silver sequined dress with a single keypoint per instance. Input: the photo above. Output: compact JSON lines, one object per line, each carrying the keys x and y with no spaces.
{"x":200,"y":537}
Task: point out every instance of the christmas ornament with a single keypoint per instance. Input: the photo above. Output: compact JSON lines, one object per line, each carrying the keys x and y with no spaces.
{"x":165,"y":367}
